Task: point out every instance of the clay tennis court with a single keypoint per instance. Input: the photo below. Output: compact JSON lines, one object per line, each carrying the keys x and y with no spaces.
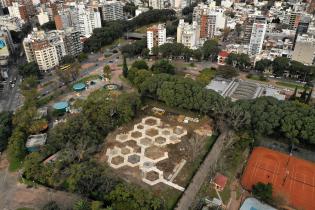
{"x":292,"y":178}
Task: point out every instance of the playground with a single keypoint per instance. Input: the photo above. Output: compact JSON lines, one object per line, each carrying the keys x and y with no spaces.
{"x":292,"y":178}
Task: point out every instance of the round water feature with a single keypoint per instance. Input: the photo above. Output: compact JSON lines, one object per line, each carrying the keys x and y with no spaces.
{"x":61,"y":106}
{"x":112,"y":87}
{"x":79,"y":87}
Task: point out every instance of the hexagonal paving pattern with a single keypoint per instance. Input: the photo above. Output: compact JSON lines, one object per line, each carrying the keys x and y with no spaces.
{"x":117,"y":160}
{"x":152,"y":176}
{"x":125,"y":150}
{"x":143,"y":148}
{"x":154,"y":152}
{"x":146,"y":141}
{"x":152,"y":132}
{"x":134,"y":159}
{"x":150,"y":121}
{"x":136,"y":134}
{"x":160,"y":140}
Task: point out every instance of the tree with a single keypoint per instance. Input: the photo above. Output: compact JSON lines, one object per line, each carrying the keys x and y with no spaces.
{"x":29,"y":69}
{"x":133,"y":198}
{"x":107,"y":71}
{"x":309,"y":96}
{"x":125,"y":68}
{"x":227,"y":72}
{"x":16,"y":147}
{"x":240,"y":61}
{"x":205,"y":76}
{"x":293,"y":96}
{"x":263,"y":64}
{"x":130,"y":8}
{"x":210,"y":49}
{"x":82,"y":57}
{"x":5,"y":129}
{"x":263,"y":191}
{"x":280,"y":64}
{"x":68,"y":59}
{"x":52,"y":205}
{"x":69,"y":74}
{"x":163,"y":66}
{"x":140,"y":64}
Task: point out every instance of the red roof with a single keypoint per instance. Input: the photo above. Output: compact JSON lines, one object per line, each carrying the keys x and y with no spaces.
{"x":220,"y":180}
{"x":224,"y":53}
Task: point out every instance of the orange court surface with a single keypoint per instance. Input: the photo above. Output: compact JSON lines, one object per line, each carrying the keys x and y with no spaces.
{"x":292,"y":178}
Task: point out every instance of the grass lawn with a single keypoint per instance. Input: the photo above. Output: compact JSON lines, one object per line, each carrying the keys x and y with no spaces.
{"x":206,"y":76}
{"x":290,"y":85}
{"x":258,"y":78}
{"x":171,"y":197}
{"x":15,"y":165}
{"x":24,"y":209}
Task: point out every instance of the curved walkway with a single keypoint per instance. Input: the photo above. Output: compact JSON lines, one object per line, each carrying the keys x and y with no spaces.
{"x":191,"y":191}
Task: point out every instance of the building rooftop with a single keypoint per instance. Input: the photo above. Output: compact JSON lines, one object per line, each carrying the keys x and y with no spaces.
{"x":220,"y":180}
{"x":36,"y":140}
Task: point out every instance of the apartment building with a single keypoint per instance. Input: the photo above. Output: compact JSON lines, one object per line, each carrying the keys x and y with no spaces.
{"x":257,"y":35}
{"x":156,"y":4}
{"x":73,"y":45}
{"x":38,"y":49}
{"x":19,"y":11}
{"x":188,"y":34}
{"x":12,"y":23}
{"x":81,"y":18}
{"x":112,"y":10}
{"x":304,"y":49}
{"x":156,"y":36}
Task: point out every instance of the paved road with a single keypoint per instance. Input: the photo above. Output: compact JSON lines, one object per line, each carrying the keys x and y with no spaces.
{"x":191,"y":191}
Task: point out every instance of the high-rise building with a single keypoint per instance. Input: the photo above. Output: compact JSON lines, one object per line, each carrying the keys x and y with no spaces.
{"x":112,"y":10}
{"x":12,"y":23}
{"x":156,"y":36}
{"x":257,"y":35}
{"x":210,"y":19}
{"x":294,"y":19}
{"x":6,"y":46}
{"x":248,"y":27}
{"x":304,"y":50}
{"x":72,"y":42}
{"x":43,"y":17}
{"x":300,"y":30}
{"x":38,"y":49}
{"x":156,"y":4}
{"x":19,"y":11}
{"x":81,"y":18}
{"x":188,"y":34}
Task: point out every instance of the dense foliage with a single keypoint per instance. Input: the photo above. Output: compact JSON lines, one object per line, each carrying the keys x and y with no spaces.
{"x":5,"y":129}
{"x":282,"y":66}
{"x":29,"y":69}
{"x":263,"y":191}
{"x":113,"y":30}
{"x":136,"y":48}
{"x":264,"y":115}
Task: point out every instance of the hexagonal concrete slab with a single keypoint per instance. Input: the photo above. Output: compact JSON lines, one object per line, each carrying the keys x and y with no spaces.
{"x":134,"y":159}
{"x":117,"y":160}
{"x":165,"y":132}
{"x":152,"y":176}
{"x":150,"y":121}
{"x":160,"y":140}
{"x":122,"y":137}
{"x":152,"y":132}
{"x":146,"y":141}
{"x":136,"y":134}
{"x":125,"y":150}
{"x":139,"y":126}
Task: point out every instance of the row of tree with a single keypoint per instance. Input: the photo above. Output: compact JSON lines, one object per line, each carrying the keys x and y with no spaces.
{"x":114,"y":30}
{"x":265,"y":115}
{"x":283,"y":67}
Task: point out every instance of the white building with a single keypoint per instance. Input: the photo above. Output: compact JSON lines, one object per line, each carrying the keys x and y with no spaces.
{"x":156,"y":4}
{"x":17,"y":10}
{"x":304,"y":49}
{"x":12,"y":23}
{"x":39,"y":49}
{"x":112,"y":10}
{"x":257,"y":35}
{"x":43,"y":17}
{"x":141,"y":10}
{"x":188,"y":34}
{"x":88,"y":20}
{"x":156,"y":36}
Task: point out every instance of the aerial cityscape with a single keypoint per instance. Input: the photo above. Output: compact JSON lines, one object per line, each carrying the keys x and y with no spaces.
{"x":157,"y":105}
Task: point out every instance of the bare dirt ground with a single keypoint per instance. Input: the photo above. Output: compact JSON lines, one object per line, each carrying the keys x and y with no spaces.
{"x":15,"y":195}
